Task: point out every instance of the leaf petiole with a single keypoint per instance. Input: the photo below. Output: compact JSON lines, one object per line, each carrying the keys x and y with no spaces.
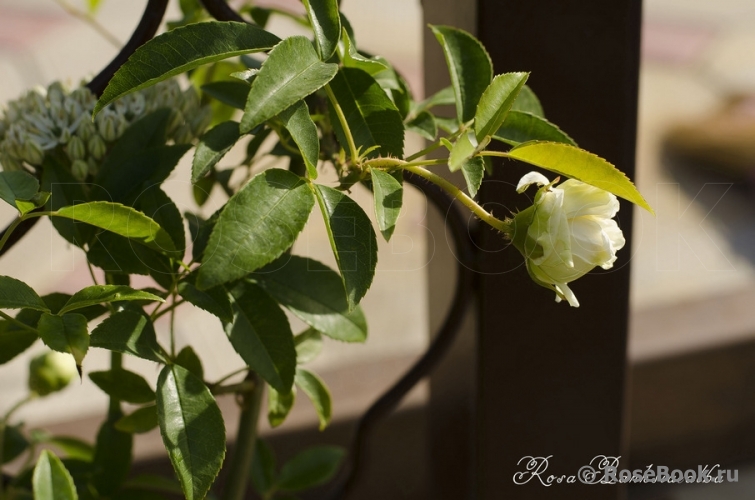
{"x":342,"y":118}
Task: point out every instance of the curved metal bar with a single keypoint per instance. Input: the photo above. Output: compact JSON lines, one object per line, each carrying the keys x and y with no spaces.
{"x":434,"y":354}
{"x":221,"y":11}
{"x":148,"y":26}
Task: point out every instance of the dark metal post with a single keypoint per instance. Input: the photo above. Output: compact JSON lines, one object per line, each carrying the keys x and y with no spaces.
{"x":551,"y":378}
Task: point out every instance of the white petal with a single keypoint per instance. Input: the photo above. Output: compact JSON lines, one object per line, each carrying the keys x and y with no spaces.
{"x":583,"y":199}
{"x":568,"y":294}
{"x":529,"y":179}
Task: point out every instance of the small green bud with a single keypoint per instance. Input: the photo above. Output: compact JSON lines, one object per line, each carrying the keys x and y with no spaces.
{"x":107,"y":127}
{"x":97,"y":147}
{"x":200,"y":120}
{"x":80,"y":169}
{"x":9,"y":163}
{"x":51,"y":372}
{"x":176,"y":120}
{"x":33,"y":152}
{"x":76,"y":148}
{"x":94,"y":165}
{"x":190,"y":101}
{"x":183,"y":135}
{"x":86,"y":129}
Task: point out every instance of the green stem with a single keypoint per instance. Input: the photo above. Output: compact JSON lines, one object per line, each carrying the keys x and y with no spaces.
{"x":396,"y":163}
{"x":3,"y":425}
{"x":18,"y":221}
{"x":91,"y":21}
{"x":460,"y":195}
{"x":494,"y":153}
{"x":427,"y":150}
{"x":246,"y":439}
{"x":116,"y":363}
{"x":18,"y":323}
{"x":230,"y":375}
{"x":241,"y":387}
{"x":344,"y":124}
{"x":168,"y":309}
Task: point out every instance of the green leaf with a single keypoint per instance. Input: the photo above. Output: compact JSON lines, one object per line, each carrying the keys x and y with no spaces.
{"x":154,"y":483}
{"x":496,"y":102}
{"x":473,"y":170}
{"x":67,"y":333}
{"x":263,"y":467}
{"x":521,"y":126}
{"x":308,"y":345}
{"x":279,"y":405}
{"x":443,"y":97}
{"x":121,"y":220}
{"x":579,"y":164}
{"x":192,"y":429}
{"x":147,"y":133}
{"x":141,"y":421}
{"x":65,"y":190}
{"x":315,"y":294}
{"x":52,"y":480}
{"x":352,"y":239}
{"x":189,"y":360}
{"x":291,"y":72}
{"x":212,"y":147}
{"x":156,"y":205}
{"x":234,"y":94}
{"x":36,"y":201}
{"x":257,"y":225}
{"x":74,"y":448}
{"x":351,"y":58}
{"x":372,"y":117}
{"x":423,"y":124}
{"x":388,"y":200}
{"x":203,"y":188}
{"x":128,"y":332}
{"x":463,"y":149}
{"x":310,"y":468}
{"x":17,"y":185}
{"x":14,"y":340}
{"x":183,"y":49}
{"x":103,"y":294}
{"x":112,"y":457}
{"x":470,"y":68}
{"x":260,"y":333}
{"x":214,"y":301}
{"x":14,"y":443}
{"x":15,"y":294}
{"x":528,"y":102}
{"x":93,"y":6}
{"x":299,"y":124}
{"x":124,"y":385}
{"x":326,"y":23}
{"x":317,"y":392}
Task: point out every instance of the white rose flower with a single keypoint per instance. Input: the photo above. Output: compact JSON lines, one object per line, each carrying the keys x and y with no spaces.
{"x":567,"y":232}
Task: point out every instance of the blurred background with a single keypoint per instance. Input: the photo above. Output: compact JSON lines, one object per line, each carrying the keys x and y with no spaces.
{"x":692,"y":326}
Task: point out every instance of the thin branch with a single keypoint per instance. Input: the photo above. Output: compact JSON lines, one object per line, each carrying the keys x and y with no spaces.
{"x":91,"y":21}
{"x":462,"y":197}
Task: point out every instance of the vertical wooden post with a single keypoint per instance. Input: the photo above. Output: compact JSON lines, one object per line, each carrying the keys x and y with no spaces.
{"x":551,"y":378}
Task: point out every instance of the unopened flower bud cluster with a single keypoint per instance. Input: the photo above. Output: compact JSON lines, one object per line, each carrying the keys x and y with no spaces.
{"x":58,"y":117}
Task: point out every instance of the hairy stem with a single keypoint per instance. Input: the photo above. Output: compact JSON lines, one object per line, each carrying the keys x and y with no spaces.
{"x":460,"y":195}
{"x":246,"y":439}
